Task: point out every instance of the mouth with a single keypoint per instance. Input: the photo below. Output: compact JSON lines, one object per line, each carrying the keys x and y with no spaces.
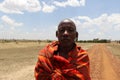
{"x":65,"y":39}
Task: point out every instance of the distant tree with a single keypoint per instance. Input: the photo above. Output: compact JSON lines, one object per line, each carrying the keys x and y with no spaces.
{"x":39,"y":41}
{"x":49,"y":41}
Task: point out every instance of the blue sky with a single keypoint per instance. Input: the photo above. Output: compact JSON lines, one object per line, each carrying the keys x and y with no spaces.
{"x":38,"y":19}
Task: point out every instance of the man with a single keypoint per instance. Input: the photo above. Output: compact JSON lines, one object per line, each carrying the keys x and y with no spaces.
{"x":63,"y":59}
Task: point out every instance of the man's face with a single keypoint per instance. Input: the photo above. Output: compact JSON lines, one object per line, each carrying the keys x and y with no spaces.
{"x":66,"y":33}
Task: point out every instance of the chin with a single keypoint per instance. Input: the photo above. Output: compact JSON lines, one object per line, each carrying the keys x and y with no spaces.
{"x":67,"y":43}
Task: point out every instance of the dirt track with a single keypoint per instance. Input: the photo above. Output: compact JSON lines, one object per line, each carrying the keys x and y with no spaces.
{"x":18,"y":64}
{"x":101,"y":64}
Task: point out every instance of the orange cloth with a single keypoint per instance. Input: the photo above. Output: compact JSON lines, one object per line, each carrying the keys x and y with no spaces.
{"x":51,"y":66}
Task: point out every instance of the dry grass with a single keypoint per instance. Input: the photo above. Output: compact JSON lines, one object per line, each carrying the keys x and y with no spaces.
{"x":18,"y":59}
{"x":115,"y":49}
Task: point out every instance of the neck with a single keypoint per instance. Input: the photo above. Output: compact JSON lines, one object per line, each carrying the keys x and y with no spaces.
{"x":65,"y":49}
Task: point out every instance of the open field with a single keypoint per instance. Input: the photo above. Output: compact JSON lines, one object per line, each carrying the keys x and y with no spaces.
{"x":17,"y":61}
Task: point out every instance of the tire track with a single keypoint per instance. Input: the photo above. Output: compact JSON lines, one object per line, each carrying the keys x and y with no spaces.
{"x":101,"y":65}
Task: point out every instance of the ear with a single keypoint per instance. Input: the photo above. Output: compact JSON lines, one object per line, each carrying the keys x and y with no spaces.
{"x":76,"y":36}
{"x":56,"y":33}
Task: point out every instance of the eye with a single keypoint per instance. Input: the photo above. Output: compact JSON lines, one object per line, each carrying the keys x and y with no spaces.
{"x":61,"y":30}
{"x":71,"y":30}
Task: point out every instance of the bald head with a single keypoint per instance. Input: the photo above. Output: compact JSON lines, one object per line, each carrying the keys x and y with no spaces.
{"x":67,"y":21}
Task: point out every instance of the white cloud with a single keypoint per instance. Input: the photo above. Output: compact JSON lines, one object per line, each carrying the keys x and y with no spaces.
{"x":36,"y":33}
{"x":35,"y":29}
{"x":100,"y":34}
{"x":73,"y":3}
{"x":18,"y":6}
{"x":102,"y":26}
{"x":47,"y":8}
{"x":91,"y":31}
{"x":1,"y":26}
{"x":85,"y":18}
{"x":10,"y":22}
{"x":114,"y":19}
{"x":117,"y":27}
{"x":83,"y":21}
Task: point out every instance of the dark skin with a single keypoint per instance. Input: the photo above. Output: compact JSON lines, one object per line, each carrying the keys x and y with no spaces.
{"x":66,"y":35}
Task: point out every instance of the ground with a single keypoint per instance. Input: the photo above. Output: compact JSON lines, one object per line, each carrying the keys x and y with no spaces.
{"x":17,"y":61}
{"x":102,"y":67}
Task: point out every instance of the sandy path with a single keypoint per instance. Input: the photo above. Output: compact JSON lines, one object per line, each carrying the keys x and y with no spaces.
{"x":101,"y":65}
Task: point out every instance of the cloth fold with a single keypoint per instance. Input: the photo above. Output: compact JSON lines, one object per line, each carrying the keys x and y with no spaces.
{"x":54,"y":67}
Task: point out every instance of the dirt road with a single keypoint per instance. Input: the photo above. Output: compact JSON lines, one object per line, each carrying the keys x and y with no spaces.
{"x":101,"y":64}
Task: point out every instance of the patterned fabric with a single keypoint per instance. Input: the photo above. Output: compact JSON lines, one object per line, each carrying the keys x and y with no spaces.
{"x":51,"y":66}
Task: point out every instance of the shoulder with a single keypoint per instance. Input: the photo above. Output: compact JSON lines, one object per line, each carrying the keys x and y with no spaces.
{"x":82,"y":53}
{"x":49,"y":49}
{"x":81,"y":50}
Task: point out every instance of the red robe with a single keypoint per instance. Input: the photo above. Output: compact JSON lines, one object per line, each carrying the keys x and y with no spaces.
{"x":51,"y":66}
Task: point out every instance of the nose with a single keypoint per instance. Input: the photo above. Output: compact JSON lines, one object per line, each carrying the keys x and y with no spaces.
{"x":65,"y":32}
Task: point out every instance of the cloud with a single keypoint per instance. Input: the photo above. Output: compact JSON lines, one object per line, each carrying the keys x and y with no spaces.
{"x":38,"y":34}
{"x":19,"y":6}
{"x":104,"y":21}
{"x":47,"y":8}
{"x":34,"y":29}
{"x":1,"y":26}
{"x":102,"y":26}
{"x":10,"y":22}
{"x":105,"y":26}
{"x":114,"y":19}
{"x":73,"y":3}
{"x":117,"y":27}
